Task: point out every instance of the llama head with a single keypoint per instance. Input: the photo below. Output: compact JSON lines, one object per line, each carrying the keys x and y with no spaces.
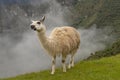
{"x":38,"y":25}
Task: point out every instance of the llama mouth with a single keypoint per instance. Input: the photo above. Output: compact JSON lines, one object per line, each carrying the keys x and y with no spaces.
{"x":33,"y":28}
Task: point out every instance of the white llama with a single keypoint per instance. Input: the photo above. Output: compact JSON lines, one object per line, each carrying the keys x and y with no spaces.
{"x":62,"y":40}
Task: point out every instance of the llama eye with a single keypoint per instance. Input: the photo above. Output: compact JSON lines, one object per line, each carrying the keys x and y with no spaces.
{"x":38,"y":22}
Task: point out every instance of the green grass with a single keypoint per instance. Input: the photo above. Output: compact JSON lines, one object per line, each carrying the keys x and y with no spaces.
{"x":107,"y":68}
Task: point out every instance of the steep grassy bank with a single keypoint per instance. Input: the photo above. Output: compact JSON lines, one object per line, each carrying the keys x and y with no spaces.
{"x":103,"y":69}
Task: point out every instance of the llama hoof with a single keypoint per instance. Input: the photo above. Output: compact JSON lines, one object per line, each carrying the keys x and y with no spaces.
{"x":69,"y":66}
{"x":64,"y":70}
{"x":72,"y":66}
{"x":52,"y":73}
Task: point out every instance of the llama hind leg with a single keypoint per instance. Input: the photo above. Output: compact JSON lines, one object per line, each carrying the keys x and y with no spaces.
{"x":71,"y":63}
{"x":63,"y":63}
{"x":53,"y":65}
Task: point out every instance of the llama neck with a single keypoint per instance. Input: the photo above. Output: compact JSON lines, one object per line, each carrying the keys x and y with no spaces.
{"x":43,"y":38}
{"x":45,"y":41}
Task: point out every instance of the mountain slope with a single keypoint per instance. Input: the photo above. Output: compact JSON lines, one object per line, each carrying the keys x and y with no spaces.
{"x":99,"y":12}
{"x":103,"y":69}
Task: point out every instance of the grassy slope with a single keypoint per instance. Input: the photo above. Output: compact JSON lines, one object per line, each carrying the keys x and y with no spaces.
{"x":102,"y":69}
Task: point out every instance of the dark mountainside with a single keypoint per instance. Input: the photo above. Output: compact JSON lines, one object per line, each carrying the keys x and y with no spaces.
{"x":102,"y":13}
{"x":99,"y":12}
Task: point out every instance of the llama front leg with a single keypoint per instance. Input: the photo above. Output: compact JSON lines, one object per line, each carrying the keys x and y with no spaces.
{"x":53,"y":64}
{"x":63,"y":63}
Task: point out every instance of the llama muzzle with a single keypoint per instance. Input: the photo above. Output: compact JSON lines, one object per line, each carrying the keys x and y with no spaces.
{"x":33,"y":27}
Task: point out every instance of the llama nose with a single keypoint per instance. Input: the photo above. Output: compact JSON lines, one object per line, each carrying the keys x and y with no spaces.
{"x":33,"y":27}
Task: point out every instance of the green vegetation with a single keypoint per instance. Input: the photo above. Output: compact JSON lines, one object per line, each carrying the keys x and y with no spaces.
{"x":109,"y":51}
{"x":103,"y":69}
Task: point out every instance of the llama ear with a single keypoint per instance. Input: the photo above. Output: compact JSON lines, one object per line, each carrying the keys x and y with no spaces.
{"x":43,"y":18}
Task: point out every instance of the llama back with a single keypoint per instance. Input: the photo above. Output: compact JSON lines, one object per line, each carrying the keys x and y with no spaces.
{"x":67,"y":38}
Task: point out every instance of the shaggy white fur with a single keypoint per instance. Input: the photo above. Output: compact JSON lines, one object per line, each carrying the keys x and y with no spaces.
{"x":62,"y":41}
